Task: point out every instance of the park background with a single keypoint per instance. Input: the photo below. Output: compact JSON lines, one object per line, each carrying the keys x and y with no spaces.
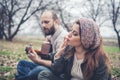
{"x":20,"y":26}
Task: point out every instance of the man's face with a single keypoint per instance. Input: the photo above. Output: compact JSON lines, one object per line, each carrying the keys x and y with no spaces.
{"x":47,"y":23}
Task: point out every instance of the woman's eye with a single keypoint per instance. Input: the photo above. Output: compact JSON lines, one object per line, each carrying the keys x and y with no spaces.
{"x":75,"y":34}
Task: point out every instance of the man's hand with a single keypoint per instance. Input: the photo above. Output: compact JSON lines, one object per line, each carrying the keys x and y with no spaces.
{"x":33,"y":56}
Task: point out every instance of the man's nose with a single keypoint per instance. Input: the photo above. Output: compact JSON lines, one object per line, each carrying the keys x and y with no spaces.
{"x":43,"y":24}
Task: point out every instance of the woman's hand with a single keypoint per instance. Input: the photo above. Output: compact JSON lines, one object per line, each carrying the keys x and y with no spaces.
{"x":61,"y":48}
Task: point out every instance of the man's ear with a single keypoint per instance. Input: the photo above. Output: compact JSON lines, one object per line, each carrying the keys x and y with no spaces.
{"x":57,"y":21}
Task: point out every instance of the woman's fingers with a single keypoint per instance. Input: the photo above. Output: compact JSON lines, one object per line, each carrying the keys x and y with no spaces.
{"x":65,"y":41}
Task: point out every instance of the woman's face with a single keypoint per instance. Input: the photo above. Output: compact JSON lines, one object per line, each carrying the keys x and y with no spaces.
{"x":74,"y":37}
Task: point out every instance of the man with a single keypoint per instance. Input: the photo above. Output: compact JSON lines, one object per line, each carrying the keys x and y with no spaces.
{"x":50,"y":24}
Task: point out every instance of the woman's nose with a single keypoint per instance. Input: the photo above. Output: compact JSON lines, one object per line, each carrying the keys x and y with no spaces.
{"x":70,"y":34}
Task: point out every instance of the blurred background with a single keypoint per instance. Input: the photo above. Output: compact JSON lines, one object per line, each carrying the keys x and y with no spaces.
{"x":20,"y":26}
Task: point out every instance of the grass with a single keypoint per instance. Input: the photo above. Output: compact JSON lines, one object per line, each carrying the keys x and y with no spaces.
{"x":114,"y":54}
{"x":8,"y":70}
{"x":14,"y":51}
{"x":7,"y":53}
{"x":112,"y":49}
{"x":116,"y":71}
{"x":5,"y":69}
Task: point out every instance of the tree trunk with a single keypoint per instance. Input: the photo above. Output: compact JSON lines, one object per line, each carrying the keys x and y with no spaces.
{"x":118,"y":36}
{"x":9,"y":38}
{"x":1,"y":33}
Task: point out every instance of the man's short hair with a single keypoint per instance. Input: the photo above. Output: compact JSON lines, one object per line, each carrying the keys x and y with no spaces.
{"x":54,"y":15}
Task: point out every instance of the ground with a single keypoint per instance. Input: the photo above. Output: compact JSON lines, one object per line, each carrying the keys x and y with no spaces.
{"x":12,"y":52}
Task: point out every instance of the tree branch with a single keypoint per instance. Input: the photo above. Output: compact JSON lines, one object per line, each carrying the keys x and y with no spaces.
{"x":39,"y":8}
{"x":18,"y":10}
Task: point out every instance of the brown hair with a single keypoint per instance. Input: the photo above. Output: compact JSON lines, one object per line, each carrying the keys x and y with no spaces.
{"x":93,"y":55}
{"x":92,"y":59}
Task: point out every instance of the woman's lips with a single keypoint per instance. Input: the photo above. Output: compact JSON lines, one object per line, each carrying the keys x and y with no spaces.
{"x":68,"y":40}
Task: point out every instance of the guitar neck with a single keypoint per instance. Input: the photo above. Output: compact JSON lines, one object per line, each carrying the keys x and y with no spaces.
{"x":38,"y":51}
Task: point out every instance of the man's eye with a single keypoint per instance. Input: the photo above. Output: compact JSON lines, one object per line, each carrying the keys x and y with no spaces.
{"x":46,"y":22}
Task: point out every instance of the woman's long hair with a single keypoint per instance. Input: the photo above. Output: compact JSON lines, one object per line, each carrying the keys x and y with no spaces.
{"x":92,"y":59}
{"x":93,"y":52}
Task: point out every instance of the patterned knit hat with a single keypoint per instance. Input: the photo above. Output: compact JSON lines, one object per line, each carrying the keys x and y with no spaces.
{"x":89,"y":33}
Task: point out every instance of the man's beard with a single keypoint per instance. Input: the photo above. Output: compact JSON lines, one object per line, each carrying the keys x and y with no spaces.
{"x":50,"y":31}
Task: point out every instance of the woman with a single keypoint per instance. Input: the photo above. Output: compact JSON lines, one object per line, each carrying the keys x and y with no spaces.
{"x":86,"y":60}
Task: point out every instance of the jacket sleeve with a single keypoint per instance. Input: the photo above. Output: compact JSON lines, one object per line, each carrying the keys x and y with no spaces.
{"x":101,"y":72}
{"x":58,"y":66}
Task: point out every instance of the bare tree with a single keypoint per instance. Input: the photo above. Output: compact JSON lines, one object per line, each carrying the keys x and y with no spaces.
{"x":38,"y":21}
{"x":1,"y":22}
{"x":114,"y":11}
{"x":64,"y":15}
{"x":17,"y":9}
{"x":59,"y":7}
{"x":95,"y":9}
